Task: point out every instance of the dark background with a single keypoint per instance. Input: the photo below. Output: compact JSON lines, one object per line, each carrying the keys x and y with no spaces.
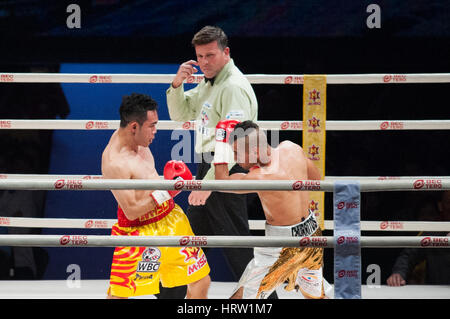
{"x":266,"y":37}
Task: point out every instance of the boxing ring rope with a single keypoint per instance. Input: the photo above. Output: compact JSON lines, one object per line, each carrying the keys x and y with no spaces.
{"x":217,"y":185}
{"x":253,"y":78}
{"x":266,"y":125}
{"x":328,"y":178}
{"x":218,"y":241}
{"x":81,"y":223}
{"x":96,"y":182}
{"x":253,"y":224}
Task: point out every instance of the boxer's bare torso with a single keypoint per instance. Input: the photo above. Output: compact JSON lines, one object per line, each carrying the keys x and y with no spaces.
{"x":287,"y":162}
{"x":123,"y":158}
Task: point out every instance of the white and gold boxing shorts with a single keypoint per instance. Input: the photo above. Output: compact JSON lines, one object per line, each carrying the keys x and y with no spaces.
{"x":271,"y":267}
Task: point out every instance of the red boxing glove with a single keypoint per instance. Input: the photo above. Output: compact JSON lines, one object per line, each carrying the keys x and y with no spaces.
{"x":224,"y":129}
{"x":176,"y":170}
{"x":173,"y":170}
{"x":223,"y":153}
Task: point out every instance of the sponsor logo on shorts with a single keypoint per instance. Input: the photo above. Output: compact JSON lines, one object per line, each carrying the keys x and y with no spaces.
{"x":310,"y":276}
{"x":306,"y":228}
{"x":309,"y":279}
{"x":195,"y":256}
{"x":192,"y":269}
{"x":150,"y":260}
{"x":141,"y":277}
{"x":190,"y":253}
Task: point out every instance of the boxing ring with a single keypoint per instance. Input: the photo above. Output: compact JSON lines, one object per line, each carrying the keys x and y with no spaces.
{"x":96,"y":288}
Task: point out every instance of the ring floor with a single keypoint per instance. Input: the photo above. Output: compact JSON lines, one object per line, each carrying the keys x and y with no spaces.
{"x":96,"y":289}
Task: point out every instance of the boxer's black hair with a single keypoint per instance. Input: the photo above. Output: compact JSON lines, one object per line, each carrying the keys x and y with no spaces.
{"x":244,"y":129}
{"x":247,"y":135}
{"x":134,"y":107}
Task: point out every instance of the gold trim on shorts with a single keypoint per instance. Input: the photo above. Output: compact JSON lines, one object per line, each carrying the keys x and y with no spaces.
{"x":286,"y":268}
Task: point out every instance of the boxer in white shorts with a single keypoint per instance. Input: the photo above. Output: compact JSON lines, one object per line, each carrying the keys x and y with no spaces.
{"x":287,"y":212}
{"x":301,"y":267}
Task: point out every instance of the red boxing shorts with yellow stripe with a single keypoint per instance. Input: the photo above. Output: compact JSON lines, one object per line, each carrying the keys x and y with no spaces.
{"x":137,"y":271}
{"x":271,"y":267}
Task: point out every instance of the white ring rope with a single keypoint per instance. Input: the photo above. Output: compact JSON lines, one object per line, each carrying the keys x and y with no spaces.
{"x":216,"y":185}
{"x":253,"y":224}
{"x":327,"y":178}
{"x":218,"y":241}
{"x":78,"y":223}
{"x":253,"y":78}
{"x":376,"y":125}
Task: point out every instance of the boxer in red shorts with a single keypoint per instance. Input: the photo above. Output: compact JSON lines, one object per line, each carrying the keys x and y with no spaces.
{"x":138,"y":270}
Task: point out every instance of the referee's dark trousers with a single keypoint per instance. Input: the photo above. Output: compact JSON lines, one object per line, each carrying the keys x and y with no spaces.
{"x":224,"y":214}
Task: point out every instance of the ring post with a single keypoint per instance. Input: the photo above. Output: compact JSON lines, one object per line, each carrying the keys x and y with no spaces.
{"x":314,"y":134}
{"x":347,"y":240}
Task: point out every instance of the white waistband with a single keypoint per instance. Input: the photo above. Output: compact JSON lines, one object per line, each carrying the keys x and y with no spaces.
{"x":305,"y":228}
